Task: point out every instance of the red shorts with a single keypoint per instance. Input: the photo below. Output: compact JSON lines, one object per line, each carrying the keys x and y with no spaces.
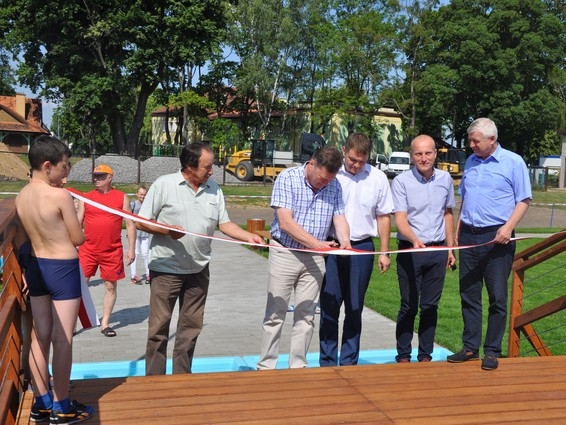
{"x":111,"y":263}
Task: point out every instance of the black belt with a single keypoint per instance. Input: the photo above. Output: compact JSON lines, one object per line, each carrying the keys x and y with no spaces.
{"x":406,"y":244}
{"x":352,"y":243}
{"x":439,"y":243}
{"x":368,"y":239}
{"x":278,"y":241}
{"x":478,"y":230}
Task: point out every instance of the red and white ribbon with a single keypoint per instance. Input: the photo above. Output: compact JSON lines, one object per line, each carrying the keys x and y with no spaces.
{"x":325,"y":251}
{"x":87,"y":311}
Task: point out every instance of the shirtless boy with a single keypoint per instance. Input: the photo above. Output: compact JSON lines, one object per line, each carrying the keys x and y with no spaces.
{"x":48,"y":216}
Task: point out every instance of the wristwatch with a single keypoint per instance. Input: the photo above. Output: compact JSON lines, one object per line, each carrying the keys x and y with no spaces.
{"x":387,"y":254}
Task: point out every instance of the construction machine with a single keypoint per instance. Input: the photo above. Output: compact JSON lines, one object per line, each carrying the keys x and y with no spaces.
{"x":263,"y":160}
{"x":451,"y":160}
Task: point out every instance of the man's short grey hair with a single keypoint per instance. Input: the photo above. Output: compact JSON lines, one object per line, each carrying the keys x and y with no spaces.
{"x":485,"y":126}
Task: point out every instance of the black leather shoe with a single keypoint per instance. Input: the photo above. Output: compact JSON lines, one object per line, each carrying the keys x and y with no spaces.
{"x":489,"y":362}
{"x":462,"y":356}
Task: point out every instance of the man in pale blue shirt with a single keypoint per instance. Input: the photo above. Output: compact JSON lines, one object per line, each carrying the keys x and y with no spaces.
{"x":423,"y":199}
{"x":496,"y":193}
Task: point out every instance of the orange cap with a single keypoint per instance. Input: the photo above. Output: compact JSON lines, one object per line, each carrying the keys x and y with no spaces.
{"x":102,"y":169}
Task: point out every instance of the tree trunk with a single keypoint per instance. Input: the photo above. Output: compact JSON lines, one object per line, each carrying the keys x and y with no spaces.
{"x":116,"y":123}
{"x":132,"y":139}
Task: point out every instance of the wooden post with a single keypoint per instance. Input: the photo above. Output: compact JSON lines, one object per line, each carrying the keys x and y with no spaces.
{"x":255,"y":224}
{"x":516,"y":309}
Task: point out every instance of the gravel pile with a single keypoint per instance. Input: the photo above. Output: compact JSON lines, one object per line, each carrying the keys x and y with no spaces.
{"x":126,"y":169}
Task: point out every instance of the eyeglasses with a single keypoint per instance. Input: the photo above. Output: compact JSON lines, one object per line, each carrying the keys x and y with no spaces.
{"x":99,"y":176}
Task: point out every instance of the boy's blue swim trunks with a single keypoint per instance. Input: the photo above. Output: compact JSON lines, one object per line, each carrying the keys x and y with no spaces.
{"x":61,"y":279}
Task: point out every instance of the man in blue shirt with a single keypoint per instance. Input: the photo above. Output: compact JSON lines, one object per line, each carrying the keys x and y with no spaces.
{"x":423,"y":199}
{"x":496,"y":193}
{"x":307,"y":200}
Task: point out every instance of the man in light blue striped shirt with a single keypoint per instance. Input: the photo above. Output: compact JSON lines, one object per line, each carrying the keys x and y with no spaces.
{"x":307,"y":200}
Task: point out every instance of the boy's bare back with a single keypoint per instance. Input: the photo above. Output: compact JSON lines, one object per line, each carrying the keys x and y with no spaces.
{"x":49,"y":217}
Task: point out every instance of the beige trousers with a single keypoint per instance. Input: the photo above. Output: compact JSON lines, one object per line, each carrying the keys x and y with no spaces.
{"x":290,"y":270}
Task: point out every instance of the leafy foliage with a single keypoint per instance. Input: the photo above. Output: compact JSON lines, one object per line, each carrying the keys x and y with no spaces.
{"x":492,"y":59}
{"x":107,"y":58}
{"x":7,"y":79}
{"x":441,"y":64}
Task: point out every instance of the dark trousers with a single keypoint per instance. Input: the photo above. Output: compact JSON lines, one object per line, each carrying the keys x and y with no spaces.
{"x":166,"y":288}
{"x":489,"y":264}
{"x":421,"y":280}
{"x":346,"y":281}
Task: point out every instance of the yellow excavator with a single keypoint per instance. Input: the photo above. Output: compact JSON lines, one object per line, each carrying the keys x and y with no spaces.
{"x":263,"y":160}
{"x":451,"y":160}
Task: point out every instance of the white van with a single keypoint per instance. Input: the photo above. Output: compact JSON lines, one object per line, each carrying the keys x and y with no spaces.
{"x":398,"y":162}
{"x":382,"y":162}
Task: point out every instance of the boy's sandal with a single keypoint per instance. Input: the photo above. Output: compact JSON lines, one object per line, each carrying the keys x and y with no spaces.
{"x":108,"y":331}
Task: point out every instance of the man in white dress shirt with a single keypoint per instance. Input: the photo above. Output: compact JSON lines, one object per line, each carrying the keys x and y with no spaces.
{"x":368,"y":203}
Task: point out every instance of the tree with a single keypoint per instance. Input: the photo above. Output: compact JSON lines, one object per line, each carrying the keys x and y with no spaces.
{"x":360,"y":45}
{"x":494,"y":59}
{"x":113,"y":53}
{"x":363,"y":47}
{"x":264,"y":50}
{"x":7,"y":80}
{"x":550,"y":144}
{"x":326,"y":56}
{"x":414,"y":40}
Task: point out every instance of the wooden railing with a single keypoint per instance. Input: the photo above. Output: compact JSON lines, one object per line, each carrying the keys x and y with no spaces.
{"x":521,"y":322}
{"x":12,"y":311}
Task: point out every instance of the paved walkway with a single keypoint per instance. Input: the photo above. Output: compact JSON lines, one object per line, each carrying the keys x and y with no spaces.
{"x":233,"y":315}
{"x":234,"y":309}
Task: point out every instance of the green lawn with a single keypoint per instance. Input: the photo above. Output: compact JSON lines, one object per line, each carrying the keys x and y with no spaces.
{"x":251,"y":191}
{"x":552,"y":196}
{"x":250,"y":195}
{"x":542,"y":283}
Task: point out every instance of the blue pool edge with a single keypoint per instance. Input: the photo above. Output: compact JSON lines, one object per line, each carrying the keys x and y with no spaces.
{"x":120,"y":369}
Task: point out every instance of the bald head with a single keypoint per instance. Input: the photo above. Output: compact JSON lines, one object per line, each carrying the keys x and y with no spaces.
{"x":423,"y":142}
{"x":423,"y":154}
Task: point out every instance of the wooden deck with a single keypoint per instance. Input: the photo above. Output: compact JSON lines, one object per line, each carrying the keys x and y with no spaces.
{"x":522,"y":390}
